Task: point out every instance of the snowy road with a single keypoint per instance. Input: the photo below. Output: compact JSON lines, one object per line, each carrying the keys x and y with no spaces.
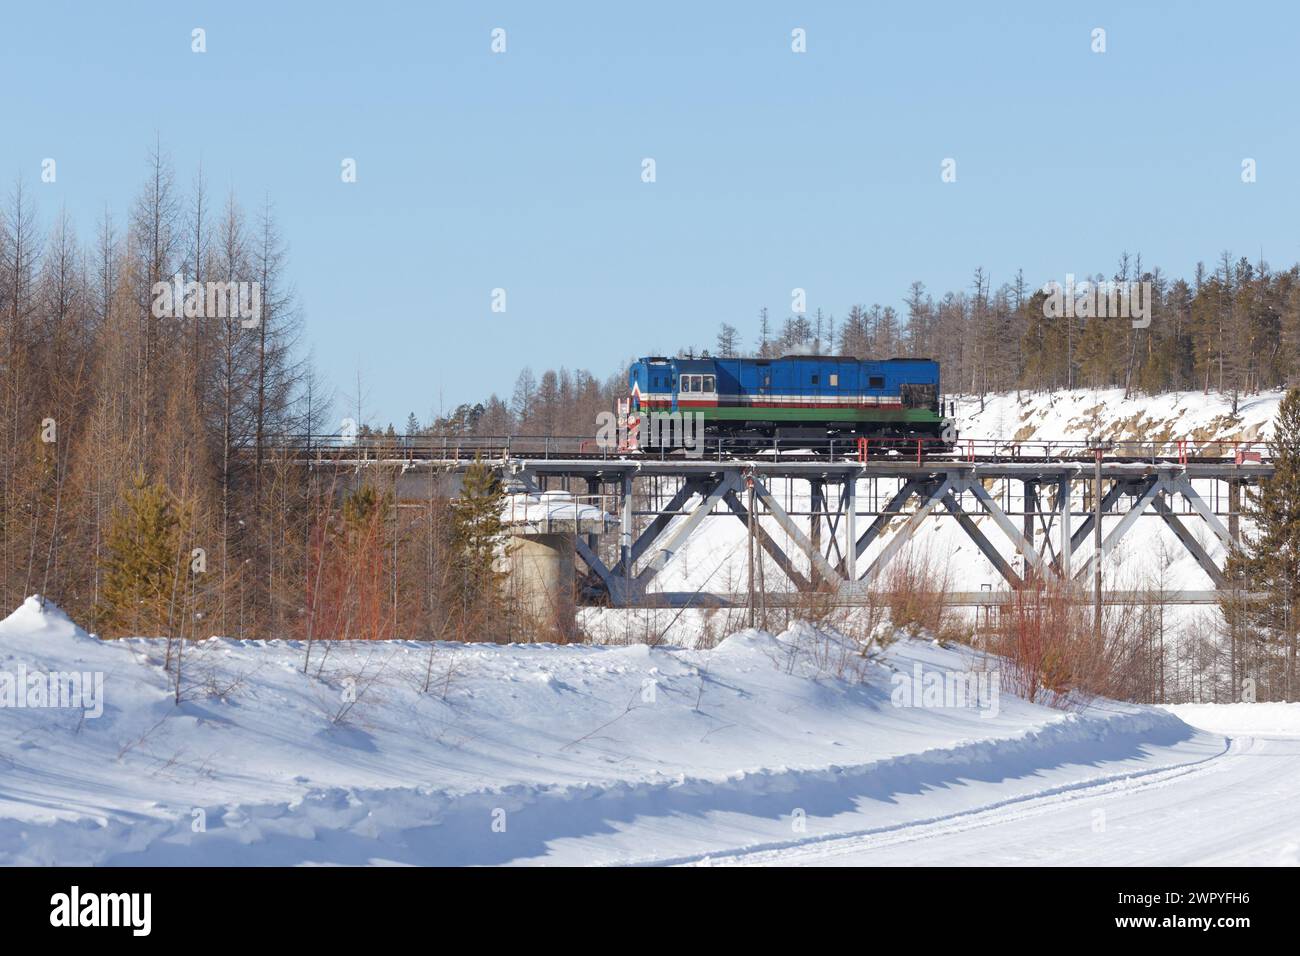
{"x":1236,"y":808}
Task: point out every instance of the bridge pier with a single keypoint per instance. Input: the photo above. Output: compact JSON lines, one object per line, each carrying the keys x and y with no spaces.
{"x":545,"y":532}
{"x":541,"y":574}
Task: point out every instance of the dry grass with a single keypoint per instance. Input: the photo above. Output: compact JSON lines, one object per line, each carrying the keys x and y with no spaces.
{"x":1054,"y":654}
{"x":914,"y":593}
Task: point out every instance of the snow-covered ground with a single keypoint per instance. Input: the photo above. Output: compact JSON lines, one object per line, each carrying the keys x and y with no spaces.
{"x":786,"y":748}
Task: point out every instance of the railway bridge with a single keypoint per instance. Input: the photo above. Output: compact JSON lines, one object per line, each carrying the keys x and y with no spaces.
{"x":1037,"y":510}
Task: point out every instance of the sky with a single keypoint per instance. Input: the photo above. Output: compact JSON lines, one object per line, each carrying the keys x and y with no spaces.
{"x":774,"y":170}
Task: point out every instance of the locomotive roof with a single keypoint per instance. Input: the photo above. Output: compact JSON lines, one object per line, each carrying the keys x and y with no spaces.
{"x":784,"y":358}
{"x":850,"y":358}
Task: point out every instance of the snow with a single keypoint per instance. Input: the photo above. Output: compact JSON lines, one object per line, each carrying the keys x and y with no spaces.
{"x":553,"y":510}
{"x":578,"y":749}
{"x":1231,"y":808}
{"x":1078,"y":414}
{"x":1273,"y":718}
{"x":553,"y":505}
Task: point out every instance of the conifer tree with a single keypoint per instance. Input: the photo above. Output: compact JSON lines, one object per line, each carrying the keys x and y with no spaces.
{"x":361,"y":508}
{"x":478,"y":530}
{"x":1269,"y":561}
{"x":141,"y":561}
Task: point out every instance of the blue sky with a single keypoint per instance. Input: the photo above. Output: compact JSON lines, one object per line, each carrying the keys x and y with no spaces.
{"x":775,"y":170}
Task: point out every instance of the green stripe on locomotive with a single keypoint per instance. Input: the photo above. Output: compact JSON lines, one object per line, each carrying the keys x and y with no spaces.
{"x":817,"y":415}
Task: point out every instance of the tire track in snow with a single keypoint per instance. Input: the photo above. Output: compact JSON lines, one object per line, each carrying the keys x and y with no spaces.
{"x":992,"y":814}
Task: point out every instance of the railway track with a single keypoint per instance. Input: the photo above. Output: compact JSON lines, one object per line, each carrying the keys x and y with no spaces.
{"x":904,"y":452}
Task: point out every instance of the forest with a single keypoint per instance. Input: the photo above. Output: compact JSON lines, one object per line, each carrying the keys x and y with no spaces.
{"x":142,"y":483}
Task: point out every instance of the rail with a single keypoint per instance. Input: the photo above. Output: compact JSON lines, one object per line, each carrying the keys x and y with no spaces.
{"x":917,"y":450}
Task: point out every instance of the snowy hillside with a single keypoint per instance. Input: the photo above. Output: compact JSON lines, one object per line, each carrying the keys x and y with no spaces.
{"x":1085,"y":413}
{"x":517,"y":754}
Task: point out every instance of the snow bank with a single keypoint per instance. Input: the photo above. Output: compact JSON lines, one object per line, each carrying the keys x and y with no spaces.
{"x":36,"y":621}
{"x":1271,"y":718}
{"x":418,"y":753}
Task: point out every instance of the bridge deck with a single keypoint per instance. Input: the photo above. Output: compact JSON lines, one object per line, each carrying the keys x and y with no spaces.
{"x":833,"y":534}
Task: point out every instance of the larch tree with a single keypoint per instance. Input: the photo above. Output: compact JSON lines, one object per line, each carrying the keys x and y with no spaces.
{"x":728,"y":343}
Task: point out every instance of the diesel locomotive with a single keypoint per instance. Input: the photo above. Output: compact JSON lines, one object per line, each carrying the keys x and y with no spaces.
{"x":798,"y":397}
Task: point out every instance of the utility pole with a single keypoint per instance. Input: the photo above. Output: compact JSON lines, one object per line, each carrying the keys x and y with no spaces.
{"x":749,"y":485}
{"x":1100,"y":450}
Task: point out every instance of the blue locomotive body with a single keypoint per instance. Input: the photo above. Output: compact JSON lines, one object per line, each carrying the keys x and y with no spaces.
{"x":800,"y":397}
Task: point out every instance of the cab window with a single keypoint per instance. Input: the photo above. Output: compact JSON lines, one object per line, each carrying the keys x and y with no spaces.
{"x":709,"y":383}
{"x":876,"y":381}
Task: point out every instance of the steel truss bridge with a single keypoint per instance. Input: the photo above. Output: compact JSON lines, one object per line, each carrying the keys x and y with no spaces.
{"x":848,"y":509}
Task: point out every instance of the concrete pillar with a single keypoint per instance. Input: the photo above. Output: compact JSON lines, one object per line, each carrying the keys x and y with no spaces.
{"x":541,"y":571}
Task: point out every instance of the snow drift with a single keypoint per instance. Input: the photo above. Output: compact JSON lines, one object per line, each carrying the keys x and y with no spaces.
{"x":423,"y":753}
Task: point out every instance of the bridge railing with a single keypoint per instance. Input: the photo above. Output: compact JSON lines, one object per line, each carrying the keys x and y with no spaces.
{"x":918,"y":450}
{"x":995,"y":450}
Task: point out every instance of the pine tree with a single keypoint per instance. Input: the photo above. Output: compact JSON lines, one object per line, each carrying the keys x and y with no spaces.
{"x":362,"y":507}
{"x":1269,"y":561}
{"x":478,"y":530}
{"x":142,"y":561}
